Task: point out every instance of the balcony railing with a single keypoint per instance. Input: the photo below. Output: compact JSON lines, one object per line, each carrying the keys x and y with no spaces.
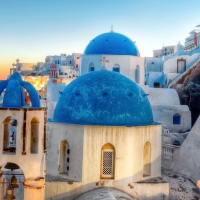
{"x":168,"y":150}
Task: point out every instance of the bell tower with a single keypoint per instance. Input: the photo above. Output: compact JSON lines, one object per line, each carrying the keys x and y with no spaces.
{"x":22,"y":141}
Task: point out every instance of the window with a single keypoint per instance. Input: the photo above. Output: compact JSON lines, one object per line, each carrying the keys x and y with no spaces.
{"x":91,"y":67}
{"x":116,"y":68}
{"x":10,"y":129}
{"x":107,"y":161}
{"x":156,"y":85}
{"x":34,"y":135}
{"x":147,"y":159}
{"x":64,"y":151}
{"x":177,"y":119}
{"x":176,"y":143}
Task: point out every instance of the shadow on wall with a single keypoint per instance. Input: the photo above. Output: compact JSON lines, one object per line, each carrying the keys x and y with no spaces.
{"x":186,"y":159}
{"x":143,"y":190}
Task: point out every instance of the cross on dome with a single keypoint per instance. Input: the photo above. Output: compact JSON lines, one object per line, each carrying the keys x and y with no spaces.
{"x":17,"y":65}
{"x":104,"y":61}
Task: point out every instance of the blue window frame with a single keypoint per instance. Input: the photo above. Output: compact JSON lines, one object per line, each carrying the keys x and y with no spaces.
{"x":177,"y":119}
{"x":91,"y":69}
{"x":116,"y":69}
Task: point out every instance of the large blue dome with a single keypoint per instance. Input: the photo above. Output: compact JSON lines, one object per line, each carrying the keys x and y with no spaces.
{"x":103,"y":98}
{"x":113,"y":44}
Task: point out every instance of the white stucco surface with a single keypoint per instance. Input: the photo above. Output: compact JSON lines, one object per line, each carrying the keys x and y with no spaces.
{"x":186,"y":158}
{"x":127,"y":64}
{"x":163,"y":96}
{"x":164,"y":114}
{"x":32,"y":164}
{"x":170,"y":65}
{"x":85,"y":158}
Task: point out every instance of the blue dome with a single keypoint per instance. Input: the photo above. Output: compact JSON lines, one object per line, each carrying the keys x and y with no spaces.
{"x":14,"y":94}
{"x":113,"y":44}
{"x":103,"y":98}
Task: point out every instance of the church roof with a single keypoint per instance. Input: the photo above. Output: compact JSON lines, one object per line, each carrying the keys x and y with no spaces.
{"x":113,"y":44}
{"x":103,"y":98}
{"x":14,"y":94}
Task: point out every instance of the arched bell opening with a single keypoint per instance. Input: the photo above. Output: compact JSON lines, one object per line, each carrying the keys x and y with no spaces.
{"x":34,"y":135}
{"x":9,"y":135}
{"x":63,"y":160}
{"x":12,"y":181}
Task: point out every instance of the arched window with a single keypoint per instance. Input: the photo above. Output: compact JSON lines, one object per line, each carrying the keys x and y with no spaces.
{"x":137,"y":74}
{"x":34,"y":135}
{"x":116,"y":68}
{"x":64,"y":157}
{"x":91,"y":67}
{"x":147,"y":159}
{"x":9,"y":141}
{"x":177,"y":119}
{"x":107,"y":161}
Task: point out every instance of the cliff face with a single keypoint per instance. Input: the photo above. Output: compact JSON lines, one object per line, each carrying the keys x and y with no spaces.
{"x":188,"y":89}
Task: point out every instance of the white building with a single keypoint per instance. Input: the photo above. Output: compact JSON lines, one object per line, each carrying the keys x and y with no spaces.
{"x":103,"y":135}
{"x":166,"y":50}
{"x":22,"y":140}
{"x":115,"y":52}
{"x":163,"y":70}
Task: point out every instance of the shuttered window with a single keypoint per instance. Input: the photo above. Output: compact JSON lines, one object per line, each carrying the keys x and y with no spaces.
{"x":107,"y":168}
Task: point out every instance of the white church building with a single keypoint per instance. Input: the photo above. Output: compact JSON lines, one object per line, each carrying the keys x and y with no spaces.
{"x":116,"y":52}
{"x":103,"y":135}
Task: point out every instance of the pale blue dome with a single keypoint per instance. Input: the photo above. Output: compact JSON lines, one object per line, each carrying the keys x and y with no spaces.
{"x":14,"y":94}
{"x":103,"y":98}
{"x":112,"y":43}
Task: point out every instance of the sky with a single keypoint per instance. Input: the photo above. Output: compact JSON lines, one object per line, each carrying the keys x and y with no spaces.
{"x":32,"y":29}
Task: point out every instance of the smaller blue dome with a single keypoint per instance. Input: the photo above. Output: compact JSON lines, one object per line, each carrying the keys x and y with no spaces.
{"x":112,"y":43}
{"x":103,"y":98}
{"x":14,"y":93}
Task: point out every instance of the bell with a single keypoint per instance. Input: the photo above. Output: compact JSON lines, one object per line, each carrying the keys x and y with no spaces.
{"x":9,"y":193}
{"x":14,"y":183}
{"x":11,"y":166}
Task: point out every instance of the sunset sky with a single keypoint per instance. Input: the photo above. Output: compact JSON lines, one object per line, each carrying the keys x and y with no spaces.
{"x":31,"y":30}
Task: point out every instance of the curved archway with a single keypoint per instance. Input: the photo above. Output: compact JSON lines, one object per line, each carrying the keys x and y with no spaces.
{"x":91,"y":67}
{"x":12,"y":171}
{"x":63,"y":157}
{"x":9,"y":130}
{"x":107,"y":161}
{"x":116,"y":68}
{"x":147,"y":159}
{"x":176,"y":143}
{"x":34,"y":135}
